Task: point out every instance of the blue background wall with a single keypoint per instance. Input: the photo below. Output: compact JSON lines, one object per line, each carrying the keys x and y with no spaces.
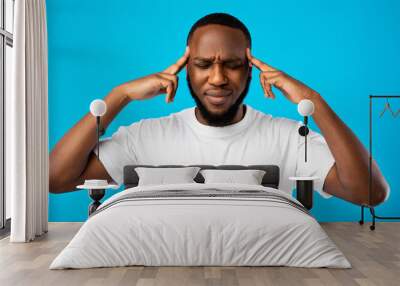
{"x":346,"y":50}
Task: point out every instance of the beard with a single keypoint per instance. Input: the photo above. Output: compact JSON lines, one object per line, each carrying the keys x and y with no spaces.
{"x":219,"y":120}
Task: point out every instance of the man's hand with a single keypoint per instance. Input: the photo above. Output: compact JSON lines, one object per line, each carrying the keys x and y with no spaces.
{"x":155,"y":84}
{"x":293,"y":89}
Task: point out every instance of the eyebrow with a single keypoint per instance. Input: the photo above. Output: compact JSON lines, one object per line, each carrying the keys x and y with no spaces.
{"x":234,"y":59}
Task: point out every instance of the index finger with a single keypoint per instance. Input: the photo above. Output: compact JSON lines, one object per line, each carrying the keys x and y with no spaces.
{"x":177,"y":67}
{"x":259,"y":64}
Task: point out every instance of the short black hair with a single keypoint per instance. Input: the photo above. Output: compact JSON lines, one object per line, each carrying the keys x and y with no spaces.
{"x":223,"y":19}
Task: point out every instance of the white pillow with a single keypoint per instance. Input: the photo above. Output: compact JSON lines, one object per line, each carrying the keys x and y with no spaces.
{"x":248,"y":177}
{"x":163,"y":176}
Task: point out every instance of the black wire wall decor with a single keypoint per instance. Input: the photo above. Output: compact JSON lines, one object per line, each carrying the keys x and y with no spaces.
{"x":387,"y":109}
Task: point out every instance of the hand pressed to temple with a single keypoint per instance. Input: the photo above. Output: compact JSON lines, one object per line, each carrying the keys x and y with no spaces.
{"x":155,"y":84}
{"x":293,"y":89}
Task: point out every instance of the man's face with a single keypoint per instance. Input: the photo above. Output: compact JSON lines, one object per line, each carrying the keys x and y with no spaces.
{"x":218,"y":72}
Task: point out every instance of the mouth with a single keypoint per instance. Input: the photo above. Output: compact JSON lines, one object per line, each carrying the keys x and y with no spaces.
{"x":217,"y":97}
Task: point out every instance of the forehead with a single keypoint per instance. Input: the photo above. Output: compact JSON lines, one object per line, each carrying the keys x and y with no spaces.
{"x":217,"y":40}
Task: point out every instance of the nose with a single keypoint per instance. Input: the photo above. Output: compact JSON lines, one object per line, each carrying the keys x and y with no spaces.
{"x":217,"y":76}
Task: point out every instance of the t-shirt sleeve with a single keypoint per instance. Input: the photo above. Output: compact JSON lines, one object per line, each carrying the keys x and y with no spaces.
{"x":319,"y":160}
{"x":115,"y":153}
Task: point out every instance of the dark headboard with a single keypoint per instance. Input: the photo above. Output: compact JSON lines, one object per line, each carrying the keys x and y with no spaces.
{"x":270,"y":179}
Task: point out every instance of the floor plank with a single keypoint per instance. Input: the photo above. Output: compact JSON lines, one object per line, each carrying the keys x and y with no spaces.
{"x":374,"y":255}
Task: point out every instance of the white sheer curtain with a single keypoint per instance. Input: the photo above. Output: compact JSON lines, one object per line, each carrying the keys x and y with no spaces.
{"x":27,"y":124}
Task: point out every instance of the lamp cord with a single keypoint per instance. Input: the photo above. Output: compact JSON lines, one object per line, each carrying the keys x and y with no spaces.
{"x":98,"y":134}
{"x":305,"y":137}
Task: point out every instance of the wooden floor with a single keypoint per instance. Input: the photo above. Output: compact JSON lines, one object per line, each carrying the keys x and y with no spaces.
{"x":375,"y":256}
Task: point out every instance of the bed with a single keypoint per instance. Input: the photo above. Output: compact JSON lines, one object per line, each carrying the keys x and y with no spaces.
{"x":201,"y":224}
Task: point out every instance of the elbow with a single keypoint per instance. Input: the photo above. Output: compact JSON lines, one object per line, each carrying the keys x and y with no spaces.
{"x":360,"y":191}
{"x":379,"y":189}
{"x":60,"y":184}
{"x":53,"y":185}
{"x":53,"y":182}
{"x":57,"y":179}
{"x":53,"y":191}
{"x":379,"y":194}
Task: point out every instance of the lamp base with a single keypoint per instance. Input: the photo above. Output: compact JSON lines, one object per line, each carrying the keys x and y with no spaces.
{"x":305,"y":190}
{"x":96,"y":195}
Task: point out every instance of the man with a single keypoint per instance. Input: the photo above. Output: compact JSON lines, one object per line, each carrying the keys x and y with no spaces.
{"x":220,"y":130}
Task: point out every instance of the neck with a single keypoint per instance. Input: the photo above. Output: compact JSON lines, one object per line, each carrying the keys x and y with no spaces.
{"x":239,"y":116}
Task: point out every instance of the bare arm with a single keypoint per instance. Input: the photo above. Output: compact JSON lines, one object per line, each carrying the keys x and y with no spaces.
{"x":72,"y":160}
{"x":348,"y":178}
{"x":70,"y":156}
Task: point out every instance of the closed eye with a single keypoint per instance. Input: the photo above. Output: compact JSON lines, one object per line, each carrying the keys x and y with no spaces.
{"x":202,"y":65}
{"x":228,"y":64}
{"x":233,"y":65}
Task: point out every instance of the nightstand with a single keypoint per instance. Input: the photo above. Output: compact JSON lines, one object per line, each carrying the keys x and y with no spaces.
{"x":305,"y":190}
{"x":96,"y":193}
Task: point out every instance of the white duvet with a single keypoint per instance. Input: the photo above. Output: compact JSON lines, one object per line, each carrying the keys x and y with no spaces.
{"x":182,"y":231}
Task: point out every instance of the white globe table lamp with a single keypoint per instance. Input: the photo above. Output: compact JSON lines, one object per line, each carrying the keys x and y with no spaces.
{"x":98,"y":108}
{"x":305,"y":185}
{"x":97,"y":187}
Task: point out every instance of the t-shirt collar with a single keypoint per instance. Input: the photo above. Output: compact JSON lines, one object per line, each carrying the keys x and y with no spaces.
{"x":214,"y":131}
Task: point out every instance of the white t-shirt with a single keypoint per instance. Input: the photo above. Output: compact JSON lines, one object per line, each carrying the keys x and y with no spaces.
{"x":180,"y":139}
